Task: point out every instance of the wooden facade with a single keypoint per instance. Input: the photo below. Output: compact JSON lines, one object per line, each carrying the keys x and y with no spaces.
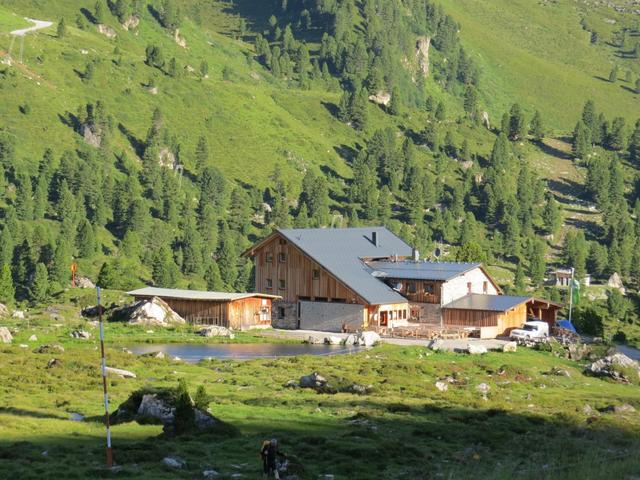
{"x":238,"y":314}
{"x":418,"y":291}
{"x":490,"y":323}
{"x":283,"y":269}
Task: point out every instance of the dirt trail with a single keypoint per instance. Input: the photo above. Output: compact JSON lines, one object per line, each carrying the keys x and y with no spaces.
{"x":37,"y":25}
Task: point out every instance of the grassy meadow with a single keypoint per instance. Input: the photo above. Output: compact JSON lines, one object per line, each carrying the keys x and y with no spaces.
{"x":532,"y":424}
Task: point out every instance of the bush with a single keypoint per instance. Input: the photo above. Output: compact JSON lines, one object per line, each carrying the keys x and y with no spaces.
{"x":185,"y":417}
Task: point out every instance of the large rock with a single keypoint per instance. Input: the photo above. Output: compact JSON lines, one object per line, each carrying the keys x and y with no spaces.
{"x":314,"y":340}
{"x":216,"y":331}
{"x":80,"y":334}
{"x":381,"y":98}
{"x":4,"y":311}
{"x":443,"y":387}
{"x":332,"y":340}
{"x":351,"y":339}
{"x":368,"y":339}
{"x":154,"y":407}
{"x":619,"y":409}
{"x":154,"y":312}
{"x":475,"y":349}
{"x":314,"y":380}
{"x":84,"y":282}
{"x":173,"y":462}
{"x":107,"y":31}
{"x":5,"y":335}
{"x":436,"y":344}
{"x":617,"y":366}
{"x":422,"y":54}
{"x":510,"y":347}
{"x":120,"y":372}
{"x":132,"y":22}
{"x":19,"y":314}
{"x":49,"y":349}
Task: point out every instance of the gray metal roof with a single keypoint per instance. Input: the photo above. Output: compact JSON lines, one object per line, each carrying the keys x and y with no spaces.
{"x":194,"y":294}
{"x":492,"y":303}
{"x":341,"y":250}
{"x":420,"y":270}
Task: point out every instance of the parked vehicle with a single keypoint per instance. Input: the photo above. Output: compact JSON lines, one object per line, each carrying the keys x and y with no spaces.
{"x":531,"y":330}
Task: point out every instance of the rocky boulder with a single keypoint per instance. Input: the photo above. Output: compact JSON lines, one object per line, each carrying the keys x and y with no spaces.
{"x":5,"y":335}
{"x":618,"y":409}
{"x":173,"y":462}
{"x":153,"y":312}
{"x":422,"y":55}
{"x":84,"y":282}
{"x":107,"y":31}
{"x":132,"y":22}
{"x":381,"y":98}
{"x":314,"y":340}
{"x":216,"y":331}
{"x":314,"y":380}
{"x":618,"y":367}
{"x":49,"y":349}
{"x":4,"y":311}
{"x":510,"y":347}
{"x":19,"y":314}
{"x":474,"y":349}
{"x":332,"y":340}
{"x":80,"y":334}
{"x":368,"y":339}
{"x":350,"y":340}
{"x":120,"y":373}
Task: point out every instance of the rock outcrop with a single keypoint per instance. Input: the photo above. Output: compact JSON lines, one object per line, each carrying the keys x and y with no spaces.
{"x":381,"y":98}
{"x":121,"y":373}
{"x":4,"y":311}
{"x":216,"y":331}
{"x":422,"y":55}
{"x":107,"y":31}
{"x":5,"y":335}
{"x":618,"y":367}
{"x":154,"y":311}
{"x":132,"y":22}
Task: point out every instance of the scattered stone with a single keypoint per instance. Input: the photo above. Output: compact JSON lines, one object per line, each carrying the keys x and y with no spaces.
{"x":92,"y":311}
{"x":484,"y":119}
{"x":616,"y":282}
{"x":510,"y":347}
{"x":210,"y":473}
{"x":120,"y":372}
{"x":443,"y":387}
{"x":80,"y":334}
{"x":216,"y":331}
{"x":314,"y":340}
{"x":180,"y":40}
{"x":589,"y":410}
{"x":618,"y":409}
{"x":359,"y":389}
{"x":19,"y":314}
{"x":350,"y":340}
{"x":476,"y":349}
{"x":436,"y":345}
{"x":152,"y":406}
{"x":618,"y":366}
{"x":5,"y":335}
{"x":49,"y":349}
{"x":84,"y":282}
{"x":132,"y":22}
{"x":153,"y":90}
{"x":127,"y":351}
{"x":54,"y":362}
{"x":173,"y":462}
{"x":166,"y":158}
{"x":33,"y":338}
{"x":483,"y":389}
{"x":76,"y":417}
{"x":4,"y":311}
{"x":333,"y":340}
{"x":176,"y":359}
{"x":314,"y":380}
{"x":559,"y":372}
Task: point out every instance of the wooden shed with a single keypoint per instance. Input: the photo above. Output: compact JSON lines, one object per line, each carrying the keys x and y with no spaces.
{"x":239,"y":311}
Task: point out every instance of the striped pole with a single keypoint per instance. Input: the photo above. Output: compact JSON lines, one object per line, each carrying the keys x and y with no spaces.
{"x":104,"y":384}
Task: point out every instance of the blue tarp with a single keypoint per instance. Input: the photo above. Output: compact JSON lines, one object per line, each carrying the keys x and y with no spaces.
{"x":567,"y":325}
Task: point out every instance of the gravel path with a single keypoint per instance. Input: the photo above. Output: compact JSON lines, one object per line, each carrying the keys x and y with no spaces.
{"x":37,"y":25}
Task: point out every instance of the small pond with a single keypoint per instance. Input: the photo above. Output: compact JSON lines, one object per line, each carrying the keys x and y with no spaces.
{"x":193,"y":353}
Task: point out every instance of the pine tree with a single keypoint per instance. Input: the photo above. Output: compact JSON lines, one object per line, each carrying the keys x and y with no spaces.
{"x":441,"y":113}
{"x":581,"y":144}
{"x":613,"y":75}
{"x":202,"y":153}
{"x":537,"y":263}
{"x":85,"y":240}
{"x":519,"y":280}
{"x":536,"y":129}
{"x":62,"y":28}
{"x":7,"y":291}
{"x":213,"y":278}
{"x":6,"y":246}
{"x":165,"y":272}
{"x":395,"y":103}
{"x":227,"y":258}
{"x":634,"y":145}
{"x":204,"y":69}
{"x":62,"y":258}
{"x":517,"y":126}
{"x":99,"y":12}
{"x":617,"y":140}
{"x":39,"y":289}
{"x":191,"y":246}
{"x":552,"y":216}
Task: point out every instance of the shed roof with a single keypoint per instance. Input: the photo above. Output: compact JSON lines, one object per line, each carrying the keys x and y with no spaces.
{"x":341,"y":252}
{"x":195,"y":294}
{"x":421,"y":270}
{"x":492,"y":303}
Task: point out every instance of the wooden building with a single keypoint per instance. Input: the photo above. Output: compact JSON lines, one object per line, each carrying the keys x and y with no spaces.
{"x":358,"y":278}
{"x":238,"y":311}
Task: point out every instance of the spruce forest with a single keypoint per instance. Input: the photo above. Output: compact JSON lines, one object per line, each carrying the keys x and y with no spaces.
{"x":152,"y":142}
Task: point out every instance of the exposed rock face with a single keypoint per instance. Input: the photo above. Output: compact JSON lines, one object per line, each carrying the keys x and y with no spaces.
{"x":381,"y":98}
{"x":314,"y":380}
{"x":153,"y":312}
{"x":153,"y":407}
{"x":5,"y":335}
{"x":422,"y":55}
{"x":132,"y":22}
{"x":617,"y":366}
{"x":92,"y":138}
{"x":179,"y":39}
{"x":84,"y":282}
{"x":484,"y":118}
{"x":107,"y":31}
{"x":616,"y":282}
{"x":166,"y":158}
{"x":216,"y":331}
{"x":4,"y":311}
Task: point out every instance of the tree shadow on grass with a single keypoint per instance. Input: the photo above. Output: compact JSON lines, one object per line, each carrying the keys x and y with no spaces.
{"x":137,"y":144}
{"x":629,"y":89}
{"x":30,"y":413}
{"x":553,"y":152}
{"x":565,"y":187}
{"x":376,"y":440}
{"x":332,"y":108}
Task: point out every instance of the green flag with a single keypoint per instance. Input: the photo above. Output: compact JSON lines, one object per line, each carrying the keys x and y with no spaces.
{"x":576,"y":291}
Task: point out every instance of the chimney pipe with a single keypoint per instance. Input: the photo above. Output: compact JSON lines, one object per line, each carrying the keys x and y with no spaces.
{"x":374,"y":238}
{"x":415,"y":254}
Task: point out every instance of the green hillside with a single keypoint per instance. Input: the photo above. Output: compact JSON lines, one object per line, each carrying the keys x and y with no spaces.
{"x":157,"y":152}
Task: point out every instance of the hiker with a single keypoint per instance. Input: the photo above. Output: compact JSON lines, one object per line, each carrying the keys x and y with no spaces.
{"x":269,"y":453}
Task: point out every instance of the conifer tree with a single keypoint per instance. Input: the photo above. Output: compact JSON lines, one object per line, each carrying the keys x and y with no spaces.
{"x":7,"y":291}
{"x":165,"y":272}
{"x":581,"y":143}
{"x":634,"y":145}
{"x":202,"y":153}
{"x":613,"y":75}
{"x":39,"y":289}
{"x":191,"y":246}
{"x":552,"y":216}
{"x":227,"y":258}
{"x":86,"y":241}
{"x":213,"y":278}
{"x":519,"y":280}
{"x":517,"y":126}
{"x":536,"y":129}
{"x":99,"y":11}
{"x":6,"y":246}
{"x":62,"y":258}
{"x":537,"y":263}
{"x":61,"y":30}
{"x":395,"y":103}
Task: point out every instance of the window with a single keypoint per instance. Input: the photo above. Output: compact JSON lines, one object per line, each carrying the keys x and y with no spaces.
{"x":280,"y":313}
{"x":268,"y":257}
{"x":468,"y":287}
{"x":269,"y":283}
{"x":281,"y":284}
{"x":485,"y":287}
{"x":428,"y":288}
{"x":282,"y":257}
{"x":282,"y":241}
{"x":411,"y":287}
{"x":316,"y":274}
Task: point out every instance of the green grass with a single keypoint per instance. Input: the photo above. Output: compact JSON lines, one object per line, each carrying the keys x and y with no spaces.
{"x":539,"y":54}
{"x":400,"y":429}
{"x":10,"y":21}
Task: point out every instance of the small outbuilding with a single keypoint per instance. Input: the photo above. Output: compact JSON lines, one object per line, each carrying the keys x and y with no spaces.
{"x":239,"y":311}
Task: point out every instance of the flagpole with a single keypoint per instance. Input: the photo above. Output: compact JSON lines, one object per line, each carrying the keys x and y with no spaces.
{"x":571,"y":294}
{"x":104,"y":383}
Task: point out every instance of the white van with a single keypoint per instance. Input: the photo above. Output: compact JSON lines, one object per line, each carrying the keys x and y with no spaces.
{"x":531,"y":330}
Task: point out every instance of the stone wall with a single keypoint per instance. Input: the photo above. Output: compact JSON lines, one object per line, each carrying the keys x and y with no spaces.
{"x":428,"y":312}
{"x":330,"y":317}
{"x":284,"y":315}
